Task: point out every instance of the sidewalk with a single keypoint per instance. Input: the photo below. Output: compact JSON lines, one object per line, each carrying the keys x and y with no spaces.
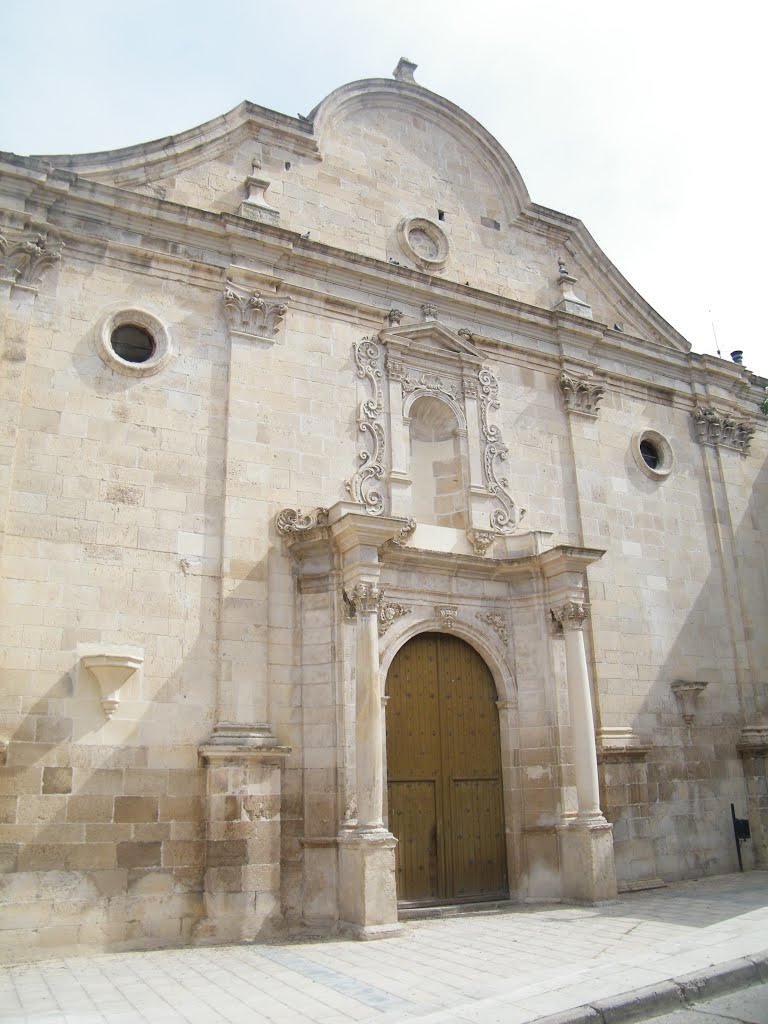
{"x":510,"y":966}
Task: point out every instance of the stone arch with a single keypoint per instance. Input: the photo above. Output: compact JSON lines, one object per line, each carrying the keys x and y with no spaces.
{"x":455,"y":408}
{"x":484,"y":642}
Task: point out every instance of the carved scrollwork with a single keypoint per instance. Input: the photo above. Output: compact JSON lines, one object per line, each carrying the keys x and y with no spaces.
{"x":507,"y":518}
{"x":497,"y":624}
{"x":405,"y":533}
{"x":248,"y":313}
{"x":295,"y":521}
{"x":720,"y":429}
{"x":580,"y":394}
{"x":362,"y":487}
{"x":389,"y":612}
{"x":25,"y":261}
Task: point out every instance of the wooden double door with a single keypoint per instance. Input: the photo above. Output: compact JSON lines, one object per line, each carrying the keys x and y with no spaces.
{"x":444,"y":780}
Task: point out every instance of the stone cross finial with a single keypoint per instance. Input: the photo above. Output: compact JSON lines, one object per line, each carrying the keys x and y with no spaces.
{"x":404,"y":71}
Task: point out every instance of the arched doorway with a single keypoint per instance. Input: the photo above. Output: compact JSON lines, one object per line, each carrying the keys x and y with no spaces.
{"x":444,"y":780}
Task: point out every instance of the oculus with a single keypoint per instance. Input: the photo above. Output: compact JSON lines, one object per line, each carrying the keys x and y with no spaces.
{"x":423,"y":242}
{"x":133,"y":342}
{"x":652,"y":453}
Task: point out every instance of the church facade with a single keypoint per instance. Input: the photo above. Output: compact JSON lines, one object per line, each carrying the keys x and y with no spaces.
{"x":369,"y":542}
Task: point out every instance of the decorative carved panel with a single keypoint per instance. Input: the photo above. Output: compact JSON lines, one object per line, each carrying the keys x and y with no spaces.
{"x":363,"y":486}
{"x":25,"y":260}
{"x":580,"y":394}
{"x":251,"y":315}
{"x":720,"y":429}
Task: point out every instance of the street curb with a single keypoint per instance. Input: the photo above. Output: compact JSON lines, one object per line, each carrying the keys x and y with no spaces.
{"x":668,"y":996}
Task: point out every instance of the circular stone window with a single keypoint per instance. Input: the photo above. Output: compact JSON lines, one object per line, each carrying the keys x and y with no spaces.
{"x":653,"y":453}
{"x":134,"y":342}
{"x":423,"y":242}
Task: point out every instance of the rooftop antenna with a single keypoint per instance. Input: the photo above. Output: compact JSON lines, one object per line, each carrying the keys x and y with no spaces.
{"x":717,"y":343}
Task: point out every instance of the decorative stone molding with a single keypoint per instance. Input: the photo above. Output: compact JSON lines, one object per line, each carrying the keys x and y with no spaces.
{"x":507,"y":518}
{"x":580,"y":394}
{"x":570,"y":614}
{"x":424,"y":243}
{"x":389,"y":612}
{"x":291,"y":520}
{"x":753,"y":741}
{"x":406,"y":533}
{"x":466,"y":334}
{"x":620,"y":743}
{"x":429,"y":312}
{"x":394,"y":316}
{"x":250,"y":315}
{"x":481,"y":540}
{"x":25,"y":261}
{"x":507,"y":704}
{"x":687,"y":693}
{"x":255,"y":205}
{"x":111,"y":667}
{"x":719,"y":429}
{"x":410,"y":381}
{"x":497,"y":624}
{"x":362,"y":486}
{"x":570,"y":302}
{"x":447,"y":614}
{"x":238,"y":736}
{"x":471,"y":388}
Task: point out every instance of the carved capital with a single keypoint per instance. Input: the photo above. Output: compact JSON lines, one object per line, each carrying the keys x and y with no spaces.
{"x":580,"y":394}
{"x":571,"y":614}
{"x":251,"y":315}
{"x":429,"y":311}
{"x":365,"y":597}
{"x":389,"y":612}
{"x":25,"y":261}
{"x":291,"y":520}
{"x":719,"y":429}
{"x":447,"y":614}
{"x":497,"y":624}
{"x":394,"y":316}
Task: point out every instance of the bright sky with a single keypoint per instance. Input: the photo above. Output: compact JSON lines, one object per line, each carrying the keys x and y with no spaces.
{"x":647,"y":120}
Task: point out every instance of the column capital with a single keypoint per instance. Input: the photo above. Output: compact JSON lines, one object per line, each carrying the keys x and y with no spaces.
{"x":366,"y":597}
{"x":571,"y":614}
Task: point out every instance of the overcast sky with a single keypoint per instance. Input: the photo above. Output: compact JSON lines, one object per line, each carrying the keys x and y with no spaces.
{"x":647,"y":121}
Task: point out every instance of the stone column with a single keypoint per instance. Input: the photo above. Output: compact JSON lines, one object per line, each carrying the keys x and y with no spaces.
{"x":586,"y":844}
{"x":369,"y":754}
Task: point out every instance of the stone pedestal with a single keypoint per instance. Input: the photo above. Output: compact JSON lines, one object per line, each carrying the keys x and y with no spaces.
{"x":242,"y":871}
{"x":586,"y":860}
{"x":753,"y":749}
{"x":368,"y":893}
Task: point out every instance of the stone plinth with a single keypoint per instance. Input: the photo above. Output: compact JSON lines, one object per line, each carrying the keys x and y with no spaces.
{"x":586,"y":859}
{"x":368,"y":894}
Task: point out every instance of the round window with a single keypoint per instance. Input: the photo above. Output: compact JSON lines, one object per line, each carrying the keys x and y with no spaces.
{"x":133,"y":342}
{"x":653,"y":453}
{"x":423,"y":242}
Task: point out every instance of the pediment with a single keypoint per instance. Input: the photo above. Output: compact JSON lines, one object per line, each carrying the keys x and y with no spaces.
{"x":430,"y":341}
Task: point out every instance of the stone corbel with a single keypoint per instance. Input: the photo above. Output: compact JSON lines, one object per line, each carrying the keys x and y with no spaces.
{"x":291,"y":520}
{"x":753,"y":741}
{"x":111,"y":667}
{"x":687,"y":693}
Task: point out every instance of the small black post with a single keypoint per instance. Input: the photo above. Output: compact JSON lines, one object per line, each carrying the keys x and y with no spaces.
{"x":741,"y":832}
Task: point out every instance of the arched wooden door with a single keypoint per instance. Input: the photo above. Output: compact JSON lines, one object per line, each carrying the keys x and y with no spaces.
{"x":444,"y":773}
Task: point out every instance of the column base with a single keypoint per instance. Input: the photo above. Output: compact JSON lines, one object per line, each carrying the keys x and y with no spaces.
{"x":367,"y":890}
{"x":587,"y":862}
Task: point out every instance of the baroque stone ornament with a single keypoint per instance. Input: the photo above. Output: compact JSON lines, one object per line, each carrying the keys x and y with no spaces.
{"x":429,"y":311}
{"x":497,"y":624}
{"x":394,"y":316}
{"x":687,"y":691}
{"x":362,"y":487}
{"x":447,"y":614}
{"x":580,"y":394}
{"x":389,"y":612}
{"x":570,"y":614}
{"x":481,"y":540}
{"x":507,"y":518}
{"x":411,"y":381}
{"x":719,"y":429}
{"x":291,"y":520}
{"x":25,"y":261}
{"x":405,"y":533}
{"x":251,"y":315}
